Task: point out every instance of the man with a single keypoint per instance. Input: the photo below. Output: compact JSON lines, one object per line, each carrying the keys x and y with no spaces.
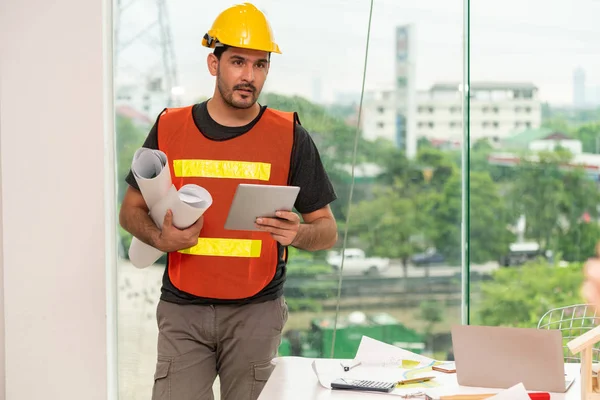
{"x":221,"y":310}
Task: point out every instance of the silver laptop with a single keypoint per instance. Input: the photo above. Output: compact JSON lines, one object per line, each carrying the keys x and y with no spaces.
{"x":499,"y":357}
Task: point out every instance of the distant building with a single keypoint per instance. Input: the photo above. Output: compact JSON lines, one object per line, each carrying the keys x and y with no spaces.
{"x":541,"y":139}
{"x":589,"y":162}
{"x":378,"y":118}
{"x":534,"y":141}
{"x":405,"y":90}
{"x":579,"y":88}
{"x":497,"y":110}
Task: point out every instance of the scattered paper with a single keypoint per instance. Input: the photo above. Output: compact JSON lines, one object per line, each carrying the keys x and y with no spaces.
{"x":324,"y":374}
{"x":374,"y":352}
{"x":517,"y":392}
{"x":379,"y":361}
{"x":328,"y":370}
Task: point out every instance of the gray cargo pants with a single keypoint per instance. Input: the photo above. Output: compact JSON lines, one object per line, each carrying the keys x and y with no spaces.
{"x":197,"y":342}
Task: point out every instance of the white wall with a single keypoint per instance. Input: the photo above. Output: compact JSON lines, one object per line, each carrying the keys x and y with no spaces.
{"x":53,"y":121}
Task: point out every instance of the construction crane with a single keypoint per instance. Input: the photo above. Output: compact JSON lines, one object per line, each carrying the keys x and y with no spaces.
{"x":145,"y":63}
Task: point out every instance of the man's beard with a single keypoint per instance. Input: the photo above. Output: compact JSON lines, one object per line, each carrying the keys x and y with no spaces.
{"x":227,"y":95}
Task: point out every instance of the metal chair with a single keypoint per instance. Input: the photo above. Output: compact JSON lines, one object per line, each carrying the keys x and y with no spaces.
{"x":572,"y":321}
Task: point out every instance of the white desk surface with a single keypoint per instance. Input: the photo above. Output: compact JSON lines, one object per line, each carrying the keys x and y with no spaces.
{"x":294,"y":379}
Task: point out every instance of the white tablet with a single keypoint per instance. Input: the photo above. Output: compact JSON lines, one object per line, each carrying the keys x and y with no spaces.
{"x":254,"y":201}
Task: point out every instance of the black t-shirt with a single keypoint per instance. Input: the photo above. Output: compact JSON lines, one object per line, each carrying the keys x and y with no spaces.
{"x":306,"y":171}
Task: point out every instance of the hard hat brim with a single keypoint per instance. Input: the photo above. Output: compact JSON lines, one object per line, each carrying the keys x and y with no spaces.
{"x":213,"y":41}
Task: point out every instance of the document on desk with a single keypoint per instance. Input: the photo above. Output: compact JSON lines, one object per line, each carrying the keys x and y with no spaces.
{"x":375,"y":353}
{"x":378,"y":361}
{"x":328,"y":370}
{"x":325,"y":373}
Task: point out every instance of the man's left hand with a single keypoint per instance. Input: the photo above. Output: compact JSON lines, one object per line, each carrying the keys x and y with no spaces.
{"x":283,"y":229}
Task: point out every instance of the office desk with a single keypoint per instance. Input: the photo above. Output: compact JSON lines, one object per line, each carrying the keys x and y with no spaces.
{"x":294,"y":379}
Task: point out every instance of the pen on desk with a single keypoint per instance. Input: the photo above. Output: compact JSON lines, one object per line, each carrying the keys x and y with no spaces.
{"x":349,"y":367}
{"x":415,"y":380}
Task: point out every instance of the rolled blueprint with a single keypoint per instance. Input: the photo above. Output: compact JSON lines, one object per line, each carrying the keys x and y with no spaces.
{"x":149,"y":167}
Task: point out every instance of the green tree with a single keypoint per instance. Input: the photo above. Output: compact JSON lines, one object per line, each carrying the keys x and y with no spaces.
{"x":520,"y":296}
{"x":440,"y":162}
{"x":389,"y":224}
{"x":395,"y":167}
{"x":489,"y":218}
{"x":423,"y":143}
{"x":580,"y":196}
{"x":129,"y":138}
{"x":479,"y":162}
{"x":342,"y":111}
{"x":538,"y":193}
{"x":553,"y":200}
{"x":589,"y":134}
{"x":572,"y":117}
{"x":427,"y":193}
{"x":578,"y":242}
{"x":557,"y":124}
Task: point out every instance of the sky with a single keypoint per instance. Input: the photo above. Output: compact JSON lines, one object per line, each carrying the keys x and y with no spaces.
{"x":324,"y":43}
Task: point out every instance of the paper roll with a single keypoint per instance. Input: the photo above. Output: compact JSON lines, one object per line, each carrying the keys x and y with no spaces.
{"x":143,"y":255}
{"x":151,"y":171}
{"x":188,"y":204}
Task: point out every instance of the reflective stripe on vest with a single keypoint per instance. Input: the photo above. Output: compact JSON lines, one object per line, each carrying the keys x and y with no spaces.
{"x":222,"y":169}
{"x":225,"y":248}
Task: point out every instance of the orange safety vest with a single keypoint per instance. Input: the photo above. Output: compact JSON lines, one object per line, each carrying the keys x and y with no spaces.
{"x":226,"y":264}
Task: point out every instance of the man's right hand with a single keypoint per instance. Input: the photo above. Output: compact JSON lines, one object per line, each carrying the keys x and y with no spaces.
{"x":173,"y":239}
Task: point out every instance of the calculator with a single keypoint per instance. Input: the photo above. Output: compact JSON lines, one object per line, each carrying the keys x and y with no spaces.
{"x":359,"y":384}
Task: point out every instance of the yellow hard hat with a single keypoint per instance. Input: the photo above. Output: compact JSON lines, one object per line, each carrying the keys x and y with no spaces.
{"x":244,"y":26}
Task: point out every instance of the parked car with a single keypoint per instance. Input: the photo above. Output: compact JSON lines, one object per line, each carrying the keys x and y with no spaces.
{"x":356,"y":261}
{"x":520,"y":253}
{"x":430,"y":257}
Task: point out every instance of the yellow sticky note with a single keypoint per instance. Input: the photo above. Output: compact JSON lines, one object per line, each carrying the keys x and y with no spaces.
{"x":409,"y":364}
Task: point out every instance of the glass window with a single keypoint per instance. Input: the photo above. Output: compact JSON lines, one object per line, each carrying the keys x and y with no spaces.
{"x":404,"y":219}
{"x":534,"y":219}
{"x":382,"y":99}
{"x":318,"y":75}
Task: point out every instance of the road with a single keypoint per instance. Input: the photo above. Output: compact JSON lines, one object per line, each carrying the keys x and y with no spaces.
{"x":396,"y":271}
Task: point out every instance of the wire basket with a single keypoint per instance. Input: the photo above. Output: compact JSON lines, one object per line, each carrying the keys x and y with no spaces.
{"x":573,"y":321}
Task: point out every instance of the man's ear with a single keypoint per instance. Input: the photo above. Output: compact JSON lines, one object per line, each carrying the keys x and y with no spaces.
{"x":213,"y":64}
